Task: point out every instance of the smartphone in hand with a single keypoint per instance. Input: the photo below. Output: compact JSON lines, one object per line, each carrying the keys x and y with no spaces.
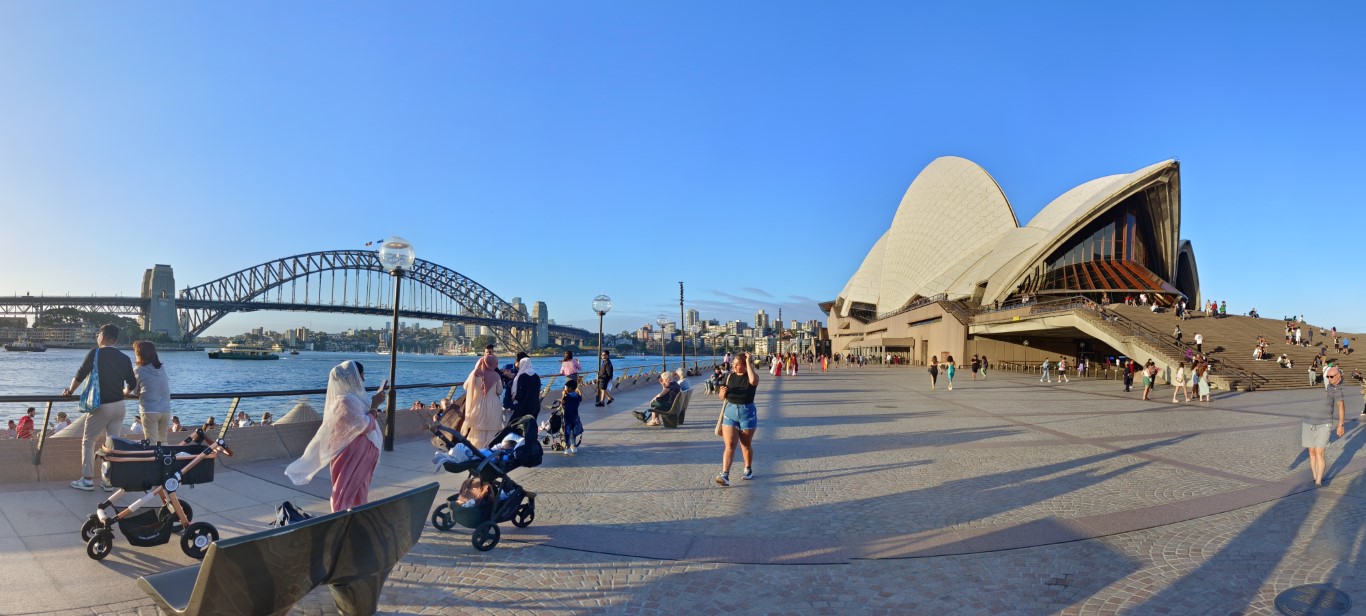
{"x":383,"y":385}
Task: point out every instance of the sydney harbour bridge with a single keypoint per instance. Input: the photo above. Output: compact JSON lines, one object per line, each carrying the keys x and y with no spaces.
{"x":335,"y":281}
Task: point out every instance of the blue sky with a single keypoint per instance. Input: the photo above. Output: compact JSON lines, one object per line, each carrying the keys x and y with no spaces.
{"x":554,"y":151}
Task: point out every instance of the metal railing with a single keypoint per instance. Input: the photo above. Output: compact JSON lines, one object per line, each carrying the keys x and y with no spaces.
{"x":920,"y":303}
{"x":235,"y":397}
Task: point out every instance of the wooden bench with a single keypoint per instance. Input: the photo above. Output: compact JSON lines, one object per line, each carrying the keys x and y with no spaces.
{"x":678,"y":411}
{"x":266,"y":573}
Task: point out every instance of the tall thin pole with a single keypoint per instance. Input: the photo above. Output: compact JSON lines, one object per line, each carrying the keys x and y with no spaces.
{"x":393,"y":364}
{"x":682,"y":340}
{"x":600,"y":315}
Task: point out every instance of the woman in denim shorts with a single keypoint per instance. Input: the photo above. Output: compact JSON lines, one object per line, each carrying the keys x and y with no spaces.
{"x":738,"y":418}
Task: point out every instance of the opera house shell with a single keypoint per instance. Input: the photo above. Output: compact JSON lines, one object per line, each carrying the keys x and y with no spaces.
{"x":955,"y":239}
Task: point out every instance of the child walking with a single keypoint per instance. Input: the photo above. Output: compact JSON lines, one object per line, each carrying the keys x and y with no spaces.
{"x":573,"y":426}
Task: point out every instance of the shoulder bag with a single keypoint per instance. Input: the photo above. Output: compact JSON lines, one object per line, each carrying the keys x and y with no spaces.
{"x":90,"y":396}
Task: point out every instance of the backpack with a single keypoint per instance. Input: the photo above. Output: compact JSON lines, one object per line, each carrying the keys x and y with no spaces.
{"x":287,"y":514}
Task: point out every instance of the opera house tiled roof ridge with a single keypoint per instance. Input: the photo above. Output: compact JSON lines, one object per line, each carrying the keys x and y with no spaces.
{"x":956,"y":235}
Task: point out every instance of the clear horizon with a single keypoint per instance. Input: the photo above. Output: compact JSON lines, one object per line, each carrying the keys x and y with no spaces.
{"x":555,"y":152}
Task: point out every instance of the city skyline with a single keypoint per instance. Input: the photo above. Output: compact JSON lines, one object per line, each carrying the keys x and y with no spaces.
{"x":556,"y":152}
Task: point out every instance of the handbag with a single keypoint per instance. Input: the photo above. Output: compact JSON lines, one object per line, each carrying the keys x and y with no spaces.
{"x":90,"y":396}
{"x":719,"y":419}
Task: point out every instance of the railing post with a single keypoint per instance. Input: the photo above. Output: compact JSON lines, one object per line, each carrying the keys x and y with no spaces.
{"x":232,"y":412}
{"x":42,"y":436}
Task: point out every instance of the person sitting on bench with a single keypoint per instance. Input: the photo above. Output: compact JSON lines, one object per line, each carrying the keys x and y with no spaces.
{"x":663,"y":401}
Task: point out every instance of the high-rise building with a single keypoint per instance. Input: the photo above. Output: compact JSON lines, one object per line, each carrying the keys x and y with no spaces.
{"x":761,"y":321}
{"x":694,"y":317}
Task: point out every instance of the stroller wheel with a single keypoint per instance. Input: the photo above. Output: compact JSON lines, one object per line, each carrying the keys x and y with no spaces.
{"x":485,"y":536}
{"x":196,"y":539}
{"x":88,"y":529}
{"x":100,"y":544}
{"x":442,"y":519}
{"x":524,"y":516}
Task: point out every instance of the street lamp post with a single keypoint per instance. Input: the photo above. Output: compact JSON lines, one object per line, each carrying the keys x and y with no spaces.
{"x":601,"y":305}
{"x":694,"y":328}
{"x":396,"y":255}
{"x":662,"y":320}
{"x":683,"y":337}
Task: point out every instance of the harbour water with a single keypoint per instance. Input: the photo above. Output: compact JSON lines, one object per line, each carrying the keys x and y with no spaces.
{"x":193,"y":372}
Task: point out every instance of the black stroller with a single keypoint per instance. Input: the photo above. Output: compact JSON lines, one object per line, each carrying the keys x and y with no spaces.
{"x":507,"y":500}
{"x":159,"y":471}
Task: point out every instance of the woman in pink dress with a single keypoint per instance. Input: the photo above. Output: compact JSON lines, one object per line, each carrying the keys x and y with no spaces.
{"x":483,"y":404}
{"x":348,"y":440}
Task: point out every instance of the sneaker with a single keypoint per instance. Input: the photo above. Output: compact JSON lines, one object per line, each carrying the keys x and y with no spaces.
{"x":106,"y":486}
{"x":83,"y":484}
{"x":749,"y":473}
{"x":573,"y":450}
{"x":721,"y":480}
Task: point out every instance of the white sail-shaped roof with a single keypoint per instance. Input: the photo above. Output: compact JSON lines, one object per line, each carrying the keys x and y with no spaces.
{"x":955,"y":231}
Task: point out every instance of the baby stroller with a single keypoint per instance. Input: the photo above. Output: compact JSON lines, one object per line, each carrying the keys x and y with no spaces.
{"x":159,"y":471}
{"x":504,"y":500}
{"x":553,"y":435}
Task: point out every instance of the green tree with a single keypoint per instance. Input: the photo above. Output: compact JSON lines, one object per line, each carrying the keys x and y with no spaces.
{"x":480,"y":342}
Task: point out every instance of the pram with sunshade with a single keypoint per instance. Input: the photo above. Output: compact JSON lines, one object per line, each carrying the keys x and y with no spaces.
{"x":507,"y":501}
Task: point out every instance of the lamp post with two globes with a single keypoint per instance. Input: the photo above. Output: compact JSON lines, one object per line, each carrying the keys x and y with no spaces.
{"x":396,"y":255}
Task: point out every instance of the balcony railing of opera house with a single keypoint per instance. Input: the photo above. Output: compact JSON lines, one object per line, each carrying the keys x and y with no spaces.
{"x":634,"y":373}
{"x":919,"y":303}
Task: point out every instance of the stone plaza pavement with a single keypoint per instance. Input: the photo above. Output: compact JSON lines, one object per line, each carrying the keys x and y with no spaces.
{"x":873,"y":495}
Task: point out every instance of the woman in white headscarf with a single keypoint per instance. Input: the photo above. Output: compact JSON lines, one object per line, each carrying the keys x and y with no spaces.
{"x":526,"y":391}
{"x":483,"y":407}
{"x":348,"y":439}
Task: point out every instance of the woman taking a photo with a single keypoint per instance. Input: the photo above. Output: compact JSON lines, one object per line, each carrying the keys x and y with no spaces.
{"x":739,"y":418}
{"x":348,"y":439}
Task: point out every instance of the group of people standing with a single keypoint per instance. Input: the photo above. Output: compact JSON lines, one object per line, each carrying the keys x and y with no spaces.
{"x":949,"y":368}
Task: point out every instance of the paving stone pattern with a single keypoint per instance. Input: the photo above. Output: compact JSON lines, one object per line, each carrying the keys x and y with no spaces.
{"x":1014,"y":497}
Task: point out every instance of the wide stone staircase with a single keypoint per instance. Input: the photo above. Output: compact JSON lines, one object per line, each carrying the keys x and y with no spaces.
{"x":1231,"y":339}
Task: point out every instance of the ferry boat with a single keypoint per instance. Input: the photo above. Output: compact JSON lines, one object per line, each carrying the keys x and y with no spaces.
{"x":24,"y":344}
{"x":234,"y":350}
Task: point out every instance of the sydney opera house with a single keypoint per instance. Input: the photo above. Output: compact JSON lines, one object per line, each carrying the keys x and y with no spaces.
{"x":955,"y":249}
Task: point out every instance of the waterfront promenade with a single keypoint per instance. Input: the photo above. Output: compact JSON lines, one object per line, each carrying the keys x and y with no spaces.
{"x":873,"y":495}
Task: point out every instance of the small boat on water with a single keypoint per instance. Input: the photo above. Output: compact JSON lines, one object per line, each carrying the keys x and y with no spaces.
{"x":293,"y":352}
{"x":234,"y":350}
{"x":24,"y":344}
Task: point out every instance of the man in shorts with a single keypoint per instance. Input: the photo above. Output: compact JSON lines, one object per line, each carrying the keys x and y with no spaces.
{"x":1315,"y":424}
{"x":605,"y":374}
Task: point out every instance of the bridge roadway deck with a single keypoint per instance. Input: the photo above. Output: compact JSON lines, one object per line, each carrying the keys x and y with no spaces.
{"x":873,"y":495}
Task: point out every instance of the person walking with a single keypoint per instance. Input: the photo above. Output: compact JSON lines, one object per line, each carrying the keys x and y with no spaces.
{"x":950,"y":371}
{"x":976,"y":366}
{"x":573,"y":425}
{"x":1315,"y":424}
{"x":348,"y":441}
{"x":570,"y":367}
{"x":115,"y":373}
{"x":1062,"y":370}
{"x":1128,"y":368}
{"x":739,"y":418}
{"x":984,"y":367}
{"x":1044,"y":377}
{"x":1199,"y":343}
{"x":605,"y":375}
{"x":1177,"y":334}
{"x":1181,"y":383}
{"x":153,"y":392}
{"x":934,"y":373}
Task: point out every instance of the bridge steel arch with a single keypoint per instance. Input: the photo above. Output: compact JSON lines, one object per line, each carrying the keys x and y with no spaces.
{"x":250,"y":283}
